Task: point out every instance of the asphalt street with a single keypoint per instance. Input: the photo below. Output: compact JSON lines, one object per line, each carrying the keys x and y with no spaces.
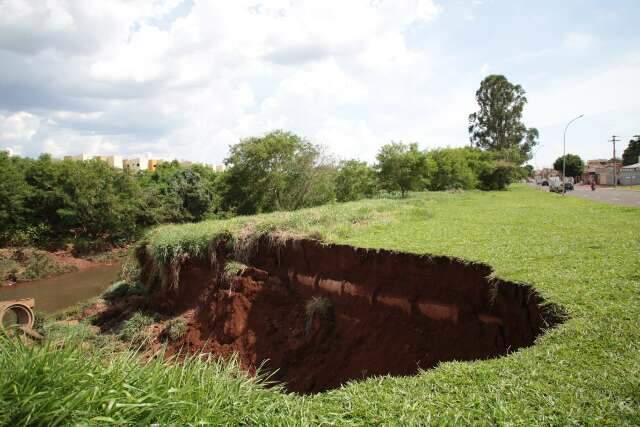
{"x":606,"y":195}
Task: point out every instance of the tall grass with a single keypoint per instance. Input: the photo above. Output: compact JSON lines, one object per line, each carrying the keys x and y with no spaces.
{"x":582,"y":255}
{"x":73,"y":386}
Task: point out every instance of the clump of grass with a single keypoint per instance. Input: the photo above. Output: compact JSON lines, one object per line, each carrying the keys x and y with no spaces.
{"x":39,"y":321}
{"x":320,"y":308}
{"x":75,"y":311}
{"x":130,"y":271}
{"x":233,"y":268}
{"x":175,"y":329}
{"x":135,"y":329}
{"x":122,"y":289}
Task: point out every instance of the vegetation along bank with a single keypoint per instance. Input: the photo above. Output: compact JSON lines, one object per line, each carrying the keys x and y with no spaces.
{"x":575,"y":373}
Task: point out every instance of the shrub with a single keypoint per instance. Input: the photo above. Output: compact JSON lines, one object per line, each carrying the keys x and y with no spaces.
{"x":355,"y":180}
{"x":134,"y":330}
{"x":175,"y":329}
{"x":130,"y":271}
{"x":498,"y":176}
{"x":123,"y":289}
{"x":40,"y":265}
{"x":451,"y":168}
{"x":321,"y":308}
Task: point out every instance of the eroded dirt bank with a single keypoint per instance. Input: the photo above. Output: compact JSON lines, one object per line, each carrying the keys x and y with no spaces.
{"x":322,"y":315}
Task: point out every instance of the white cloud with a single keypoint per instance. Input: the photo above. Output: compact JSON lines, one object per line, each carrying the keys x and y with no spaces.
{"x":135,"y":76}
{"x":609,"y":89}
{"x":579,"y":42}
{"x":104,"y":76}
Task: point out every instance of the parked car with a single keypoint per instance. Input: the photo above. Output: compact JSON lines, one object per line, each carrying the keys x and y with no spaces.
{"x":555,"y":186}
{"x":545,"y":183}
{"x":568,"y":186}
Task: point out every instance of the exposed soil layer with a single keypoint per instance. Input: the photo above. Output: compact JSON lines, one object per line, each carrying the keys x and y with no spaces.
{"x":319,"y":315}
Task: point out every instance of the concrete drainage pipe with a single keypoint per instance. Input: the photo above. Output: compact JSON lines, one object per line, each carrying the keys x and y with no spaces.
{"x":22,"y":311}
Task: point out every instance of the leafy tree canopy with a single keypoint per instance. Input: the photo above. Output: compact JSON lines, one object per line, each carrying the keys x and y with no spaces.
{"x":355,"y":180}
{"x":278,"y":171}
{"x":402,"y":167}
{"x":632,"y":152}
{"x":497,"y":126}
{"x":574,"y":166}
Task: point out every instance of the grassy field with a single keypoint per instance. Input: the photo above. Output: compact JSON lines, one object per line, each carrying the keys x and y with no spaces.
{"x":580,"y":254}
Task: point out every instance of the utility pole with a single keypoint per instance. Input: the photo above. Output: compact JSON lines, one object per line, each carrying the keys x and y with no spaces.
{"x":615,"y":177}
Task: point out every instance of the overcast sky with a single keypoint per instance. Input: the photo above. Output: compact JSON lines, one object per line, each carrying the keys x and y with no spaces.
{"x":187,"y":78}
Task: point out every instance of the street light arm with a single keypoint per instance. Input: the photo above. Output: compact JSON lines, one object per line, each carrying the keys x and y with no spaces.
{"x":564,"y":151}
{"x":571,"y":121}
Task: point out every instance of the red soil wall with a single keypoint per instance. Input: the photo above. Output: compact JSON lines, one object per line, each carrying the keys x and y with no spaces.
{"x":393,"y":312}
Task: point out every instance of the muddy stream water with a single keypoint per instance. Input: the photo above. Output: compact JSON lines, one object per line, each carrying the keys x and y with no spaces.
{"x":59,"y":292}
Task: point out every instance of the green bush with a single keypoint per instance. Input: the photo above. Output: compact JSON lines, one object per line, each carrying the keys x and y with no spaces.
{"x":135,"y":328}
{"x":452,"y":168}
{"x":175,"y":329}
{"x":123,"y":289}
{"x":355,"y":180}
{"x":321,"y":308}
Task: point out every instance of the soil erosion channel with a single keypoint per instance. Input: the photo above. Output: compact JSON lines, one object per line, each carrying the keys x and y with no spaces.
{"x":324,"y":314}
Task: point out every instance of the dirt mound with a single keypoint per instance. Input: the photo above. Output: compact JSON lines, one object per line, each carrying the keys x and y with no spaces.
{"x":320,"y":315}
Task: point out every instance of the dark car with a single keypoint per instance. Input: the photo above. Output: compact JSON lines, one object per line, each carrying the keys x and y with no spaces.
{"x":568,"y":186}
{"x":545,"y":183}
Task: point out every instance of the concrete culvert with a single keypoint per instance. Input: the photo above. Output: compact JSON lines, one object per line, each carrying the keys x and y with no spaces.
{"x":320,"y":315}
{"x":17,"y":313}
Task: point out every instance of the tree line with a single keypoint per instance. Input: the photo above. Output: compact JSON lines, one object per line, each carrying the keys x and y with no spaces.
{"x":88,"y":204}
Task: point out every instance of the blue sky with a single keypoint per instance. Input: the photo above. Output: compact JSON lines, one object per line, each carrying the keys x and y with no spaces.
{"x":185,"y":79}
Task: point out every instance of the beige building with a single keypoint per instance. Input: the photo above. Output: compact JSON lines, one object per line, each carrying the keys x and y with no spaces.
{"x":601,"y":171}
{"x":154,"y":163}
{"x":136,"y":164}
{"x":113,"y":161}
{"x":80,"y":157}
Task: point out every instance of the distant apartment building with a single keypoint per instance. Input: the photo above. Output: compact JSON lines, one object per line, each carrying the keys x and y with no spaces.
{"x":154,"y":163}
{"x":113,"y":161}
{"x":136,"y":164}
{"x":80,"y":157}
{"x":139,"y":163}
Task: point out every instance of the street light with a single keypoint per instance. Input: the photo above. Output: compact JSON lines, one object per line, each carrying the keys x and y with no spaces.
{"x":564,"y":154}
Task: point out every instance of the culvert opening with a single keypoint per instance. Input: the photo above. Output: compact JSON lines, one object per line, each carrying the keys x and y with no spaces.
{"x":319,"y":315}
{"x":16,"y":314}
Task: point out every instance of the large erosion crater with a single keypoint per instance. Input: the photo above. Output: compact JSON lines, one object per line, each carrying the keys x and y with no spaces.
{"x":318,"y":315}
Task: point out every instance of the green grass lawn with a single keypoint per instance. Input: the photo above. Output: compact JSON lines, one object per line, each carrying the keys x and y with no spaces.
{"x":580,"y":254}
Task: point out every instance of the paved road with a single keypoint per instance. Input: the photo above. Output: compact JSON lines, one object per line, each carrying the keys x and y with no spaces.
{"x":607,"y":195}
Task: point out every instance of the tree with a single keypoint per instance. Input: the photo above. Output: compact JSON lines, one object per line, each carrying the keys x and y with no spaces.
{"x":632,"y":152}
{"x":13,"y":194}
{"x":497,"y":126}
{"x":574,"y":166}
{"x":178,"y":194}
{"x":355,"y":180}
{"x":528,"y":171}
{"x":450,"y":168}
{"x":402,"y":167}
{"x":278,"y":171}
